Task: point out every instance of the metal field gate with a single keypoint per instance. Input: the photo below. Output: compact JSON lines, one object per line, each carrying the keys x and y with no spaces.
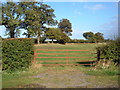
{"x":65,"y":57}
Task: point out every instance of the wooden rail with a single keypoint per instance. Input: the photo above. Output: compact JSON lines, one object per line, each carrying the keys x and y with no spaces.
{"x":62,"y":53}
{"x":60,"y":50}
{"x":66,"y":53}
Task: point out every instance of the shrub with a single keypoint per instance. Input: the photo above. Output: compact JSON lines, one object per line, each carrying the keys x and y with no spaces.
{"x":104,"y":68}
{"x":17,"y":53}
{"x":111,"y":51}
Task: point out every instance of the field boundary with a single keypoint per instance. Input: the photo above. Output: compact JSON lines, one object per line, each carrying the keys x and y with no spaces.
{"x":90,"y":62}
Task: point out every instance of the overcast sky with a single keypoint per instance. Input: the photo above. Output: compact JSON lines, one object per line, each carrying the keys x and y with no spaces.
{"x":86,"y":16}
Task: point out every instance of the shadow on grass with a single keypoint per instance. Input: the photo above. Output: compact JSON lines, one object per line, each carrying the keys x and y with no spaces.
{"x":87,"y":63}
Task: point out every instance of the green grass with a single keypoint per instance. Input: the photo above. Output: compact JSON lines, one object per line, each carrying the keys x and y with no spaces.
{"x":19,"y":78}
{"x":66,"y":47}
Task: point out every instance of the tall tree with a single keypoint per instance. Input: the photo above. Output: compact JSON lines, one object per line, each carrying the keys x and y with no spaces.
{"x":51,"y":33}
{"x":11,"y":18}
{"x":46,"y":17}
{"x":57,"y":34}
{"x":65,"y":26}
{"x":31,"y":16}
{"x":37,"y":16}
{"x":88,"y":35}
{"x":99,"y":37}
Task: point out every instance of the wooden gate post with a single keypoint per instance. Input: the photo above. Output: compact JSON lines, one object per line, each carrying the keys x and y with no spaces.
{"x":98,"y":55}
{"x":34,"y":61}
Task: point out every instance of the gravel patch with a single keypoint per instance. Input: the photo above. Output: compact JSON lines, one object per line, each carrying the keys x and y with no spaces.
{"x":63,"y":79}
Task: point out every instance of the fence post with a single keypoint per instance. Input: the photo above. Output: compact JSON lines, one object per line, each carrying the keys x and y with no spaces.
{"x":98,"y":55}
{"x":34,"y":57}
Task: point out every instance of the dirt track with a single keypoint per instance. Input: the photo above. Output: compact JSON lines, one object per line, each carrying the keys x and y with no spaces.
{"x":69,"y":78}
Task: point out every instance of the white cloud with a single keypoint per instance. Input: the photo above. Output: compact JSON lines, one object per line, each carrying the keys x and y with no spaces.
{"x":95,"y":7}
{"x":77,"y":12}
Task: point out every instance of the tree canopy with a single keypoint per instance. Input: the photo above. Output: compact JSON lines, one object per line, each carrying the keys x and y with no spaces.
{"x":97,"y":37}
{"x":57,"y":34}
{"x":65,"y":26}
{"x":11,"y":18}
{"x":31,"y":16}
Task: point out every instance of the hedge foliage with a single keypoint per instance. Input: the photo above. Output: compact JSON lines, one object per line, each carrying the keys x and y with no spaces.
{"x":111,"y":51}
{"x":17,"y":53}
{"x":0,"y":52}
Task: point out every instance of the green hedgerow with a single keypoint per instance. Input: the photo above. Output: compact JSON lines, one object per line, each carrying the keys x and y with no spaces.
{"x":111,"y":51}
{"x":17,"y":53}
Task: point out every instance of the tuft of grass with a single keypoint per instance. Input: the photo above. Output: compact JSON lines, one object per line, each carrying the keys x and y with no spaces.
{"x":102,"y":72}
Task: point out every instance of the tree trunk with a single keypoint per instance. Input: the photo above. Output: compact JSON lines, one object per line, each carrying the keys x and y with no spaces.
{"x":12,"y":34}
{"x":38,"y":39}
{"x":52,"y":40}
{"x":28,"y":36}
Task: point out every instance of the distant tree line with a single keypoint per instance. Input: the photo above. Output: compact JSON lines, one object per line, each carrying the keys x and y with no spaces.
{"x":94,"y":38}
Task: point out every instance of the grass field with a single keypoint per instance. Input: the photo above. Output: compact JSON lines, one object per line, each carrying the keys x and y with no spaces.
{"x":86,"y":46}
{"x":84,"y":55}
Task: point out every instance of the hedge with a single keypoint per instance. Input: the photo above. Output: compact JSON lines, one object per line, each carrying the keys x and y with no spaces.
{"x":111,"y":51}
{"x":17,"y":54}
{"x":0,"y":52}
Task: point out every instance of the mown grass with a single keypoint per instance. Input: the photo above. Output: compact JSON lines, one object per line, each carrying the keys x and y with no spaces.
{"x":67,"y":46}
